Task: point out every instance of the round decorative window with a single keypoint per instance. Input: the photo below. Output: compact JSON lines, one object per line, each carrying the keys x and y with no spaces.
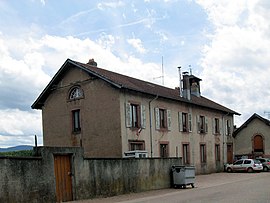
{"x":76,"y":93}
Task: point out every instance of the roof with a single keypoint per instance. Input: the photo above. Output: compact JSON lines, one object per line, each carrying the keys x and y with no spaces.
{"x":125,"y":82}
{"x":244,"y":125}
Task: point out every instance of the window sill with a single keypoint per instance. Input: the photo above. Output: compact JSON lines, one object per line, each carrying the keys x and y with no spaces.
{"x":76,"y":132}
{"x":163,"y":130}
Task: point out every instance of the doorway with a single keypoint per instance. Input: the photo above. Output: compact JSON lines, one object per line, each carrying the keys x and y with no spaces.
{"x":229,"y":153}
{"x":63,"y":177}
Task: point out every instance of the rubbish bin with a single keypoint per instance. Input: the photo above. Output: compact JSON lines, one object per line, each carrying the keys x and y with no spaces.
{"x":183,"y":176}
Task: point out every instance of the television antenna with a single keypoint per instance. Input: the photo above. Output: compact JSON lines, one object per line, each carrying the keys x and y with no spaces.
{"x":267,"y":113}
{"x":162,"y":69}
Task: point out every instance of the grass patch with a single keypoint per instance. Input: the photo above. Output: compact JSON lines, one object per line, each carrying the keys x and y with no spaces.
{"x":21,"y":153}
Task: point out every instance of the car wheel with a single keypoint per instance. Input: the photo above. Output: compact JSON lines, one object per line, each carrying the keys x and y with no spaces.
{"x":229,"y":170}
{"x":265,"y":169}
{"x":250,"y":170}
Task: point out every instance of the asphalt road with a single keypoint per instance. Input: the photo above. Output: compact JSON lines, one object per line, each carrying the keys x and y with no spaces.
{"x":219,"y":187}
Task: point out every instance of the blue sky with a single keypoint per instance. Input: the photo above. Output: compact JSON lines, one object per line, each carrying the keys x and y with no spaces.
{"x":226,"y":43}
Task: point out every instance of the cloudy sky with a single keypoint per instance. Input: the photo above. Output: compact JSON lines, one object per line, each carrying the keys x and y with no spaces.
{"x":225,"y":43}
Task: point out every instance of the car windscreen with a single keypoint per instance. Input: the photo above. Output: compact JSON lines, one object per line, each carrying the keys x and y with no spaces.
{"x":257,"y":162}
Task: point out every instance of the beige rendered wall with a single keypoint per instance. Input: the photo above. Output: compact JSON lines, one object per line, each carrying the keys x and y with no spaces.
{"x":243,"y":140}
{"x":99,"y":111}
{"x":174,"y":137}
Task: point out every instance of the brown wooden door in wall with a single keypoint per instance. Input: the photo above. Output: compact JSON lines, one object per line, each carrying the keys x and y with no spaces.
{"x":229,"y":153}
{"x":63,"y":178}
{"x":258,"y":144}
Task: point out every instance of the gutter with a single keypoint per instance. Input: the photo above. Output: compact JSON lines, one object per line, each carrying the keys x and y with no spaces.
{"x":150,"y":120}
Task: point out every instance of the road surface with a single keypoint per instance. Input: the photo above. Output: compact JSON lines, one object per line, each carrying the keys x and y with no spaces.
{"x":219,"y":187}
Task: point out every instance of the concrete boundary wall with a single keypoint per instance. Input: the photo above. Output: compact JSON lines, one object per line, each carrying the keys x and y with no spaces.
{"x":33,"y":179}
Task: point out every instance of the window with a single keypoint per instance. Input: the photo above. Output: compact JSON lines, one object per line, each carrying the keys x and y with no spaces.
{"x":217,"y":152}
{"x":163,"y":119}
{"x":75,"y":93}
{"x":76,"y":126}
{"x":135,"y":115}
{"x":238,"y":162}
{"x":164,"y":150}
{"x":247,"y":162}
{"x":186,"y":153}
{"x":203,"y":153}
{"x":216,"y":126}
{"x":185,"y":122}
{"x":136,"y":145}
{"x":202,"y":124}
{"x":228,"y":127}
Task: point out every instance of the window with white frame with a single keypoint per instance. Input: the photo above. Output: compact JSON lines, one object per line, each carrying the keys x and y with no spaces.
{"x":202,"y":124}
{"x":163,"y":119}
{"x":135,"y":115}
{"x":76,"y":93}
{"x":185,"y":122}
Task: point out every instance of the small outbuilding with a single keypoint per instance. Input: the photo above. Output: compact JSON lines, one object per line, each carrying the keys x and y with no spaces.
{"x":252,"y":139}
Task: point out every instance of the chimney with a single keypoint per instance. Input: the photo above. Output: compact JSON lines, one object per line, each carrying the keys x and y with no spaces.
{"x":191,"y":86}
{"x":92,"y":62}
{"x":180,"y":82}
{"x":186,"y":85}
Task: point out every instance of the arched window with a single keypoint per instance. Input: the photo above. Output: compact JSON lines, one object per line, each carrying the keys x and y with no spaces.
{"x":258,"y":143}
{"x":75,"y":93}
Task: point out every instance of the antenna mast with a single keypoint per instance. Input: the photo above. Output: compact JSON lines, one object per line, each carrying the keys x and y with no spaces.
{"x":267,"y":113}
{"x":162,"y":71}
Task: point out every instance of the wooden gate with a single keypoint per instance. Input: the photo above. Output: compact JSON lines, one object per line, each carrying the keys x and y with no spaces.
{"x":63,"y":177}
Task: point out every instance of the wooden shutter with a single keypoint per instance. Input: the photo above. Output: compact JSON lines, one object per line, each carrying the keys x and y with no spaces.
{"x":229,"y":129}
{"x":128,"y":115}
{"x":226,"y":127}
{"x":213,"y":126}
{"x":198,"y":123}
{"x":143,"y":118}
{"x":189,"y":122}
{"x":180,"y":121}
{"x":220,"y":126}
{"x":157,"y":118}
{"x":206,"y":124}
{"x":169,"y":120}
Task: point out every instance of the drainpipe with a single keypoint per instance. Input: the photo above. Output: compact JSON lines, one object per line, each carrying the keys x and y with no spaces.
{"x":150,"y":120}
{"x":224,"y":134}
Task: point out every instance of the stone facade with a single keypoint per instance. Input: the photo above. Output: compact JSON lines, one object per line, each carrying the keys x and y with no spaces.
{"x":114,"y":119}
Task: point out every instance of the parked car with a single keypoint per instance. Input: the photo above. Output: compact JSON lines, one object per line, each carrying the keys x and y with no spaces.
{"x":248,"y":165}
{"x":265,"y":162}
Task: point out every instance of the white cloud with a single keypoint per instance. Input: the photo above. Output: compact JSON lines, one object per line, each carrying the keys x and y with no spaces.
{"x":19,"y":127}
{"x":137,"y":44}
{"x":113,"y":4}
{"x":26,"y":72}
{"x":235,"y":62}
{"x":42,"y":2}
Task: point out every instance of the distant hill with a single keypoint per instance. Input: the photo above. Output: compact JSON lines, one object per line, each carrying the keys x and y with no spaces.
{"x":16,"y":148}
